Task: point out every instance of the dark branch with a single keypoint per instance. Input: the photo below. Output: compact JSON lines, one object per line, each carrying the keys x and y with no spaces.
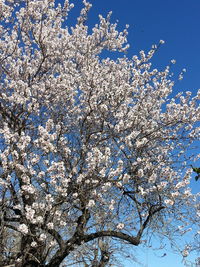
{"x":152,"y":211}
{"x":130,"y":239}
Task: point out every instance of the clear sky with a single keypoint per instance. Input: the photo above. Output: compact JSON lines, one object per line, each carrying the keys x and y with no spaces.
{"x":178,"y":23}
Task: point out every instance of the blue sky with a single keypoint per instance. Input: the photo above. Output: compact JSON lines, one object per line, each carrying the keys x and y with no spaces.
{"x":178,"y":23}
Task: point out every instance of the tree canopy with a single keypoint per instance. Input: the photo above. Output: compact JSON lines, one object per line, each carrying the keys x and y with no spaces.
{"x":93,"y":151}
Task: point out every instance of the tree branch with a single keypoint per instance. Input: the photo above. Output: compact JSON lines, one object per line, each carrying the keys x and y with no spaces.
{"x":130,"y":239}
{"x":151,"y":213}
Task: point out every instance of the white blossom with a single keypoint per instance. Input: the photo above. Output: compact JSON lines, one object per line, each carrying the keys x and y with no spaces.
{"x":120,"y":226}
{"x":91,"y":203}
{"x":33,"y":244}
{"x":23,"y":228}
{"x":50,"y":225}
{"x":169,"y":202}
{"x":42,"y":237}
{"x":185,"y":253}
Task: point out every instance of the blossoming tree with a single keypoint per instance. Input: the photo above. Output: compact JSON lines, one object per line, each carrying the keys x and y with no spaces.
{"x":90,"y":148}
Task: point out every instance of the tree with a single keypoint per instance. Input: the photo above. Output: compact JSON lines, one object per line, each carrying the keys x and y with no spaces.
{"x":91,"y":148}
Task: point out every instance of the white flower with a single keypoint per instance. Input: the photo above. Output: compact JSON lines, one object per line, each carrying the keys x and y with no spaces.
{"x":23,"y":228}
{"x":179,"y":185}
{"x":58,"y":213}
{"x":41,"y":206}
{"x":50,"y":225}
{"x":62,"y":223}
{"x":142,"y":192}
{"x":39,"y":219}
{"x":111,"y":207}
{"x":185,"y":253}
{"x":142,"y":142}
{"x":120,"y":226}
{"x":35,"y":205}
{"x":91,"y":203}
{"x":33,"y":244}
{"x":180,"y":77}
{"x":187,"y":192}
{"x":175,"y":194}
{"x":30,"y":213}
{"x":75,"y":195}
{"x":42,"y":237}
{"x":169,"y":202}
{"x":53,"y":243}
{"x":152,"y":178}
